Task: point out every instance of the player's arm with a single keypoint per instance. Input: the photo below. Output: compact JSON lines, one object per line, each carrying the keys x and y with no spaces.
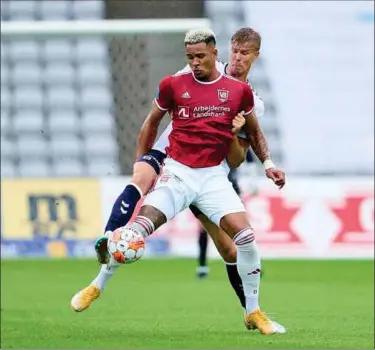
{"x":256,"y":137}
{"x":239,"y":146}
{"x":161,"y":104}
{"x":258,"y":141}
{"x":149,"y":130}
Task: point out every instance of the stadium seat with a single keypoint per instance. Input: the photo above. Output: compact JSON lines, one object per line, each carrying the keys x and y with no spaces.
{"x":62,"y":121}
{"x":59,"y":73}
{"x":91,"y":49}
{"x":7,"y":148}
{"x":7,"y":168}
{"x":5,"y":122}
{"x":5,"y":97}
{"x":18,"y":8}
{"x":32,"y":145}
{"x":88,"y":9}
{"x":99,"y":167}
{"x":54,"y":10}
{"x":26,"y":73}
{"x":99,"y":121}
{"x":57,"y":50}
{"x":28,"y":121}
{"x":61,"y":97}
{"x":93,"y":73}
{"x":4,"y":10}
{"x":28,"y":97}
{"x":4,"y":75}
{"x":66,"y":167}
{"x":34,"y":168}
{"x":4,"y":52}
{"x":99,"y":145}
{"x":24,"y":50}
{"x":65,"y":145}
{"x":55,"y":94}
{"x":95,"y":97}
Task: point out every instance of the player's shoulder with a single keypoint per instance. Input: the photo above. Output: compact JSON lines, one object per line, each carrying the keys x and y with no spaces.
{"x":171,"y":79}
{"x":236,"y":83}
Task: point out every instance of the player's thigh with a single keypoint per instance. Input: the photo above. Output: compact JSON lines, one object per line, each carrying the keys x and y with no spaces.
{"x":170,"y":195}
{"x":146,"y":169}
{"x":144,"y":176}
{"x":218,"y":199}
{"x":223,"y":243}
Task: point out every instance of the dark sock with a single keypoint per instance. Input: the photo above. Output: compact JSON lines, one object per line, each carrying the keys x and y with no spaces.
{"x":123,"y":208}
{"x":203,"y":242}
{"x":236,"y":282}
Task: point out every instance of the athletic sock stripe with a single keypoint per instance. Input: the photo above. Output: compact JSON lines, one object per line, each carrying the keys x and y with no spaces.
{"x":238,"y":233}
{"x":147,"y":221}
{"x":144,"y":226}
{"x":245,"y":241}
{"x":144,"y":222}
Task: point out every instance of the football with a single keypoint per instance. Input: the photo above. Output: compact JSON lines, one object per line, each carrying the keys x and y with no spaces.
{"x":126,"y":246}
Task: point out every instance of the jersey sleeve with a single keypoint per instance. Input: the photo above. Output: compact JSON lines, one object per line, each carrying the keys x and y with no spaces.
{"x":164,"y":94}
{"x":247,"y":102}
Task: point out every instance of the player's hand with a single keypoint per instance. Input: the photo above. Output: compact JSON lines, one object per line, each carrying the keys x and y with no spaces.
{"x":277,"y":176}
{"x":237,"y":123}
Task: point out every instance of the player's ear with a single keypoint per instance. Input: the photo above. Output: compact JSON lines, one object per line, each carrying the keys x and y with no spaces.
{"x":215,"y":51}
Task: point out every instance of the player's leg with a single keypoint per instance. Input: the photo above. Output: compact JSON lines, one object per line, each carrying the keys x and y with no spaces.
{"x":202,"y":269}
{"x":145,"y":171}
{"x":227,"y":251}
{"x":169,"y":197}
{"x":166,"y":200}
{"x":222,"y":206}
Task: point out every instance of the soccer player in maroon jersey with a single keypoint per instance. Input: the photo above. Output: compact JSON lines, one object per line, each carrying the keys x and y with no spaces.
{"x":203,"y":104}
{"x":244,"y":239}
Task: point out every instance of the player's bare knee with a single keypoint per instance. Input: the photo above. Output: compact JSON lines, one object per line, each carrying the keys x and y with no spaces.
{"x":143,"y":176}
{"x":234,"y":223}
{"x":155,"y":215}
{"x":229,"y":253}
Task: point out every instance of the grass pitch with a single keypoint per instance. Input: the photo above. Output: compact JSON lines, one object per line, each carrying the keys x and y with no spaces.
{"x":161,"y":304}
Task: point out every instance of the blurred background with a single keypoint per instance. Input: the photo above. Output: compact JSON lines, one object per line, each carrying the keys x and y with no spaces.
{"x":75,"y":90}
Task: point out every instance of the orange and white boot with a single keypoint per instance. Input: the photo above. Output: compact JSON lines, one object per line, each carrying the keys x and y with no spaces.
{"x":259,"y":320}
{"x":84,"y":298}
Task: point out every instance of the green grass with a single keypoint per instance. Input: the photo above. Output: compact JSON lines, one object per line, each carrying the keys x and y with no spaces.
{"x":161,"y":304}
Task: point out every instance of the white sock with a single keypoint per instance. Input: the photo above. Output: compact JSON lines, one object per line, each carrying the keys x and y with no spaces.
{"x":143,"y":225}
{"x":105,"y":273}
{"x":248,"y":265}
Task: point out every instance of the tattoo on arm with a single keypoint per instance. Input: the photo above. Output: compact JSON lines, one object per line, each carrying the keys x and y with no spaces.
{"x":257,"y":139}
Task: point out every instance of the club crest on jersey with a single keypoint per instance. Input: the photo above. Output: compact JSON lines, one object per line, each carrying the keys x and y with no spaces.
{"x":222,"y":95}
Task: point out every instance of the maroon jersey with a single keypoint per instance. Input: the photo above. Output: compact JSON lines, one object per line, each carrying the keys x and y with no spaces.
{"x":202,"y":115}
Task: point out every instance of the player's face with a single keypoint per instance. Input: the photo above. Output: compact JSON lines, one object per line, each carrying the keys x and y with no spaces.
{"x":242,"y":57}
{"x":201,"y":58}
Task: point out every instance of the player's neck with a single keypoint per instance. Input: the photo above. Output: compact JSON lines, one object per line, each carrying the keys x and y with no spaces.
{"x":242,"y":77}
{"x":213,"y":76}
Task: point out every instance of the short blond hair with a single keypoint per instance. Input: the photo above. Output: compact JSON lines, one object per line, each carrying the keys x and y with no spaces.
{"x":247,"y":35}
{"x":202,"y":35}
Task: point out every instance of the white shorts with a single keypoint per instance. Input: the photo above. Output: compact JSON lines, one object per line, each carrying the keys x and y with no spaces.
{"x":207,"y":188}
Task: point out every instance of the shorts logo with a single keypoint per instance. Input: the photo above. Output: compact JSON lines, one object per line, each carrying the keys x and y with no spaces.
{"x":222,"y":95}
{"x":165,"y":178}
{"x":183,"y":112}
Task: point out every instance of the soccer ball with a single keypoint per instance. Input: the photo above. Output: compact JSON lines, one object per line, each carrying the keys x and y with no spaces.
{"x":126,"y":246}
